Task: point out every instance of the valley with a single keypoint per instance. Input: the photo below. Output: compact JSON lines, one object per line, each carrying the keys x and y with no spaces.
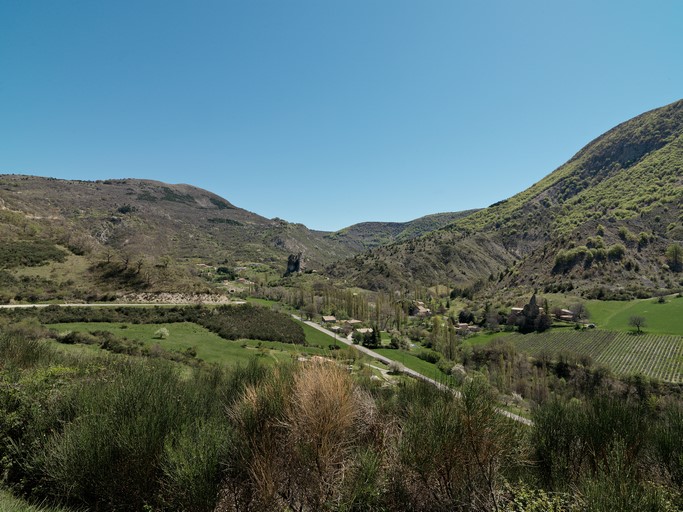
{"x":187,"y":354}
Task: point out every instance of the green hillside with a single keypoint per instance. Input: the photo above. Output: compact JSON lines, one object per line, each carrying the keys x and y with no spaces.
{"x":660,"y":317}
{"x":368,"y":235}
{"x":600,"y":224}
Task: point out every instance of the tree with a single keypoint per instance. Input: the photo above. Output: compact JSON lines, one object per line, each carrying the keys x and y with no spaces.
{"x":580,"y":311}
{"x":371,"y":339}
{"x":532,"y":318}
{"x":637,"y":321}
{"x":542,"y":323}
{"x":161,"y":333}
{"x":674,"y":254}
{"x":310,"y":310}
{"x":465,"y":316}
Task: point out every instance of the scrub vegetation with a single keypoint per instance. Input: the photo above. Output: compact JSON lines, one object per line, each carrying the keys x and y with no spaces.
{"x":116,"y":432}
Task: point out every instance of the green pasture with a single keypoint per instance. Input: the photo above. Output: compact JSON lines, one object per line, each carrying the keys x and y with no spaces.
{"x":482,"y":338}
{"x":209,"y":346}
{"x":412,"y":362}
{"x":666,"y":318}
{"x":317,"y":338}
{"x":263,"y":302}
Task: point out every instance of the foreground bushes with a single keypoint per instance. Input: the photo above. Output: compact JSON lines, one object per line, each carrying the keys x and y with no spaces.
{"x":121,"y":433}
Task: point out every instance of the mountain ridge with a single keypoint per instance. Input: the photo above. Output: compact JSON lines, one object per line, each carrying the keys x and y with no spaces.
{"x":558,"y":213}
{"x":130,"y":232}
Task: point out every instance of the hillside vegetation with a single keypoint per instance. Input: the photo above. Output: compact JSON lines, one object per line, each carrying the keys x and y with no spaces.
{"x":86,"y":240}
{"x":143,"y":217}
{"x":368,"y":235}
{"x":601,"y":223}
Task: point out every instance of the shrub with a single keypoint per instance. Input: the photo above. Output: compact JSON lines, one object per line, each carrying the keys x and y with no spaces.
{"x":429,"y":355}
{"x":111,"y":454}
{"x":29,"y":253}
{"x":161,"y":333}
{"x":192,"y":465}
{"x":452,"y":448}
{"x":616,"y":252}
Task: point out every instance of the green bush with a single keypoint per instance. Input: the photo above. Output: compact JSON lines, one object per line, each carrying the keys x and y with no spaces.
{"x":192,"y":465}
{"x":29,"y":253}
{"x":616,"y":252}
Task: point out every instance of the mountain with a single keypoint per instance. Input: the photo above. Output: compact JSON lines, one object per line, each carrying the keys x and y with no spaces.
{"x":142,"y":216}
{"x":134,"y":234}
{"x":600,"y":224}
{"x":72,"y":238}
{"x":368,"y":235}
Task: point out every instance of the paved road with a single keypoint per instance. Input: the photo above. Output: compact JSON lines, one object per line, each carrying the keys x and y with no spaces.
{"x":405,"y":370}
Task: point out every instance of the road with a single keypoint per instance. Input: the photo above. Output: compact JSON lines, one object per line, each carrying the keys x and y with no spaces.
{"x":407,"y":371}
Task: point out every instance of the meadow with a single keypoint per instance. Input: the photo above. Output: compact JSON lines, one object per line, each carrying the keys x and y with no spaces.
{"x":661,"y":318}
{"x":208,"y":346}
{"x":412,"y":361}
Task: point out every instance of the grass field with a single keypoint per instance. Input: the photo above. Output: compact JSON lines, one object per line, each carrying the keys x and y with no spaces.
{"x":210,"y":347}
{"x":263,"y":302}
{"x":654,"y":355}
{"x":664,"y":318}
{"x":316,"y":337}
{"x":412,"y":362}
{"x":483,"y":338}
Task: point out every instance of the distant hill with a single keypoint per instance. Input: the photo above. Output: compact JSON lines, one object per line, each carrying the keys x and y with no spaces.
{"x":622,"y":192}
{"x":131,"y":234}
{"x":65,"y":238}
{"x":181,"y":221}
{"x":368,"y":235}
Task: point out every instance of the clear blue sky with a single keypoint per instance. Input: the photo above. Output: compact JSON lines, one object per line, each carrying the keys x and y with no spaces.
{"x":327,"y":112}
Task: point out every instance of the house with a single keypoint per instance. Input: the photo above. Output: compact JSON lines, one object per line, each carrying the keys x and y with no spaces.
{"x":567,"y":315}
{"x":353,"y":321}
{"x":422,"y":310}
{"x":364,"y":330}
{"x":519,"y":311}
{"x":329,"y":319}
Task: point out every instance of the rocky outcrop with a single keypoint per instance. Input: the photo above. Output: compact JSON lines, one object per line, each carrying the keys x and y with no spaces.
{"x":294,"y":264}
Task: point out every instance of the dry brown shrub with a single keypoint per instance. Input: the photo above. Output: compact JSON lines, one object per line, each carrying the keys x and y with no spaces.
{"x":299,"y":429}
{"x":321,"y":423}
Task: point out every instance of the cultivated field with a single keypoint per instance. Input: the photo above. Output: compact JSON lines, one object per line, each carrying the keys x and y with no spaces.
{"x":653,"y":355}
